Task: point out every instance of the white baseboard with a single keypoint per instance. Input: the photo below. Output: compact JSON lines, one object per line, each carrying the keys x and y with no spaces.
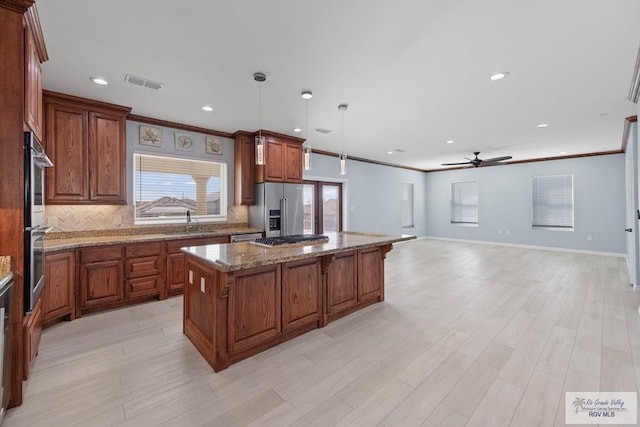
{"x":544,"y":248}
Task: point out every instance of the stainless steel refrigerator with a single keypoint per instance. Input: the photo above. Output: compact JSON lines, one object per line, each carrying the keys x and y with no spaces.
{"x":278,"y":210}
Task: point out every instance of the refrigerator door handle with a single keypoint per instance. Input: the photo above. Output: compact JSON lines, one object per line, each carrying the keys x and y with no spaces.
{"x":285,"y":217}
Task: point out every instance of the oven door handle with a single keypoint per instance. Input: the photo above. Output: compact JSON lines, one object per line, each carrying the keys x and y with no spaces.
{"x":41,"y":230}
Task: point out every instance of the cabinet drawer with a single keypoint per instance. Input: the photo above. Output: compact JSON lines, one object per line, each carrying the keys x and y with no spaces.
{"x":105,"y":253}
{"x":144,"y":286}
{"x":142,"y":249}
{"x":138,"y":267}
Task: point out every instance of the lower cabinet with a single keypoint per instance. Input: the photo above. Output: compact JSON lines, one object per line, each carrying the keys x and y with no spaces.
{"x":254,"y":308}
{"x":342,"y":288}
{"x":31,"y":339}
{"x":59,"y":291}
{"x":100,"y":278}
{"x":143,"y":270}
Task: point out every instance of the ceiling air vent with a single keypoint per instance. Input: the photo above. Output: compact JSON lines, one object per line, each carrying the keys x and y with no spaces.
{"x":322,"y":130}
{"x":141,"y":81}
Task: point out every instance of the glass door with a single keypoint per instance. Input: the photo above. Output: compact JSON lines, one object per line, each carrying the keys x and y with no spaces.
{"x":322,"y":207}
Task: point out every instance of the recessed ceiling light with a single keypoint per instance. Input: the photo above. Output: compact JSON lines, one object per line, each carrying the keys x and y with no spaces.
{"x":297,"y":130}
{"x":451,"y":141}
{"x":389,"y":152}
{"x":543,"y":125}
{"x":207,"y":108}
{"x":499,"y":76}
{"x":306,"y":94}
{"x":99,"y":81}
{"x":563,"y":152}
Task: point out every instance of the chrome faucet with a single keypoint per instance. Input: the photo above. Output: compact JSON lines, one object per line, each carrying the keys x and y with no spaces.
{"x":189,"y":223}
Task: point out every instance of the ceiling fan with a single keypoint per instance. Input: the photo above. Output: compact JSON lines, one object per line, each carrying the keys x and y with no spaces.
{"x":479,"y":162}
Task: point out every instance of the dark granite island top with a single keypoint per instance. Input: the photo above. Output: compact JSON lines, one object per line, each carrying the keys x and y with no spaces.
{"x":246,"y":255}
{"x":241,"y":298}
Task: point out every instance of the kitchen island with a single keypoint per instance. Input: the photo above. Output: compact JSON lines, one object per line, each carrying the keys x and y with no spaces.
{"x":241,"y":298}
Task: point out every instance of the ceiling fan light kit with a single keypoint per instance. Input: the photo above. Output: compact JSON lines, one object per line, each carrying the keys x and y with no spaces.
{"x":477,"y":162}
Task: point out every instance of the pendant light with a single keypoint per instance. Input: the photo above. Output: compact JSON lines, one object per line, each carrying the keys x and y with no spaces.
{"x":260,"y":141}
{"x":342,"y":156}
{"x":307,"y":95}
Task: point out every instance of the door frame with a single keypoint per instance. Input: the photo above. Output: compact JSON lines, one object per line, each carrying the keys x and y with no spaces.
{"x":317,"y":196}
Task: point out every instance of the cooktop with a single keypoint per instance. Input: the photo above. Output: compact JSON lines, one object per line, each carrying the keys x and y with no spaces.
{"x":293,"y":238}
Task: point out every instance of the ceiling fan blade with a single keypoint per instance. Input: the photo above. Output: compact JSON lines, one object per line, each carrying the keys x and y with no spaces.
{"x":493,"y":163}
{"x":497,"y":159}
{"x":455,"y":164}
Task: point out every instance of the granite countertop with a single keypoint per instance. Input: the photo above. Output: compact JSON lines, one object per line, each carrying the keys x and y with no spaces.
{"x":71,"y":242}
{"x":5,"y":271}
{"x":245,"y":255}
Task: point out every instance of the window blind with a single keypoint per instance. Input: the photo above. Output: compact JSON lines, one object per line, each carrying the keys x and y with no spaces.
{"x":165,"y":188}
{"x":407,"y":205}
{"x":553,"y":201}
{"x":464,"y":202}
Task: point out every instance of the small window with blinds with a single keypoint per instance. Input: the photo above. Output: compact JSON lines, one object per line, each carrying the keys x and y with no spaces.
{"x":552,"y":201}
{"x":407,"y":205}
{"x":165,"y":188}
{"x":464,"y":203}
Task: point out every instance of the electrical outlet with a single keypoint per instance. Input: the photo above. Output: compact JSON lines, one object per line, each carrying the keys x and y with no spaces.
{"x":506,"y":232}
{"x":202,"y":285}
{"x":117,"y":219}
{"x":499,"y":231}
{"x":589,"y":237}
{"x":191,"y":277}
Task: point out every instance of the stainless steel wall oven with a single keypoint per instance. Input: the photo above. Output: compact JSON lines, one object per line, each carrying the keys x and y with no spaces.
{"x":35,"y":160}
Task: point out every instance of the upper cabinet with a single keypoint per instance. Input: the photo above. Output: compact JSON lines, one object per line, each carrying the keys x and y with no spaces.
{"x":244,"y":165}
{"x":34,"y":54}
{"x":283,"y":159}
{"x":86,"y":142}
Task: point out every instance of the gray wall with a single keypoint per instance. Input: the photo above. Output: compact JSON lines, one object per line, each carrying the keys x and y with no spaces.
{"x":505,"y":204}
{"x":372,"y":194}
{"x":168,"y":147}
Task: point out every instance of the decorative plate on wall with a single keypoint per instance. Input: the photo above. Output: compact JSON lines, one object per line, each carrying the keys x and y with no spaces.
{"x":184,"y":142}
{"x":150,"y":136}
{"x":213,"y":145}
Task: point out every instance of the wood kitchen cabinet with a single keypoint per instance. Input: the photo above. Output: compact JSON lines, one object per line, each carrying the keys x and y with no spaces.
{"x":371,"y":277}
{"x":175,"y":278}
{"x":301,"y":293}
{"x":342,"y":289}
{"x":143,"y":270}
{"x":31,"y":337}
{"x":59,"y":291}
{"x":33,"y":83}
{"x":86,"y":142}
{"x":245,"y":169}
{"x":101,"y":276}
{"x":254,"y":308}
{"x":283,"y":159}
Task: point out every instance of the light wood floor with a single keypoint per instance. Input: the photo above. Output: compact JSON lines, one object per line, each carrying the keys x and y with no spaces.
{"x":470,"y":334}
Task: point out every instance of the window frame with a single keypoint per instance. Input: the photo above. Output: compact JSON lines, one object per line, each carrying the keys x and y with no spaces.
{"x":224,"y":197}
{"x":533,"y":207}
{"x":452,"y":221}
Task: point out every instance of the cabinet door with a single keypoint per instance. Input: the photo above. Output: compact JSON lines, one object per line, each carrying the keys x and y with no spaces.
{"x":301,"y":293}
{"x":33,"y":86}
{"x":66,"y":135}
{"x":59,"y":291}
{"x":143,"y":266}
{"x":245,"y":174}
{"x":100,"y":283}
{"x":175,"y":272}
{"x":31,"y":336}
{"x":370,"y":279}
{"x":293,"y":163}
{"x":342,"y":286}
{"x":254,"y":308}
{"x":274,"y":167}
{"x":143,"y":286}
{"x":107,"y":157}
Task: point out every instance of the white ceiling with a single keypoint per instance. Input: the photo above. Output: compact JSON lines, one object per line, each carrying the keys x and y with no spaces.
{"x":415,"y":73}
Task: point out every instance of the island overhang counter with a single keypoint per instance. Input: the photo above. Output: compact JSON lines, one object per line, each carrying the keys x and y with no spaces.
{"x":241,"y":298}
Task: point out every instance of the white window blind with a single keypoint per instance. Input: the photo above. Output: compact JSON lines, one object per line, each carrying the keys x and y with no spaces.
{"x":464,"y":202}
{"x":553,"y":201}
{"x":407,"y":205}
{"x":165,"y":188}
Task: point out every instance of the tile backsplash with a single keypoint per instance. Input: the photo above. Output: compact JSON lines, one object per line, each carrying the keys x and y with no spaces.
{"x":107,"y":217}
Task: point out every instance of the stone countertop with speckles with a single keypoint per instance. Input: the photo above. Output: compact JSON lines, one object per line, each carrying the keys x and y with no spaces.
{"x":59,"y":244}
{"x":5,"y":270}
{"x":246,"y":255}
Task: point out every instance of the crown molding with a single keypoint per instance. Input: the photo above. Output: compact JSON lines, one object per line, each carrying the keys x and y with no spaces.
{"x":634,"y":90}
{"x":33,"y":21}
{"x":16,"y":5}
{"x":181,"y":126}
